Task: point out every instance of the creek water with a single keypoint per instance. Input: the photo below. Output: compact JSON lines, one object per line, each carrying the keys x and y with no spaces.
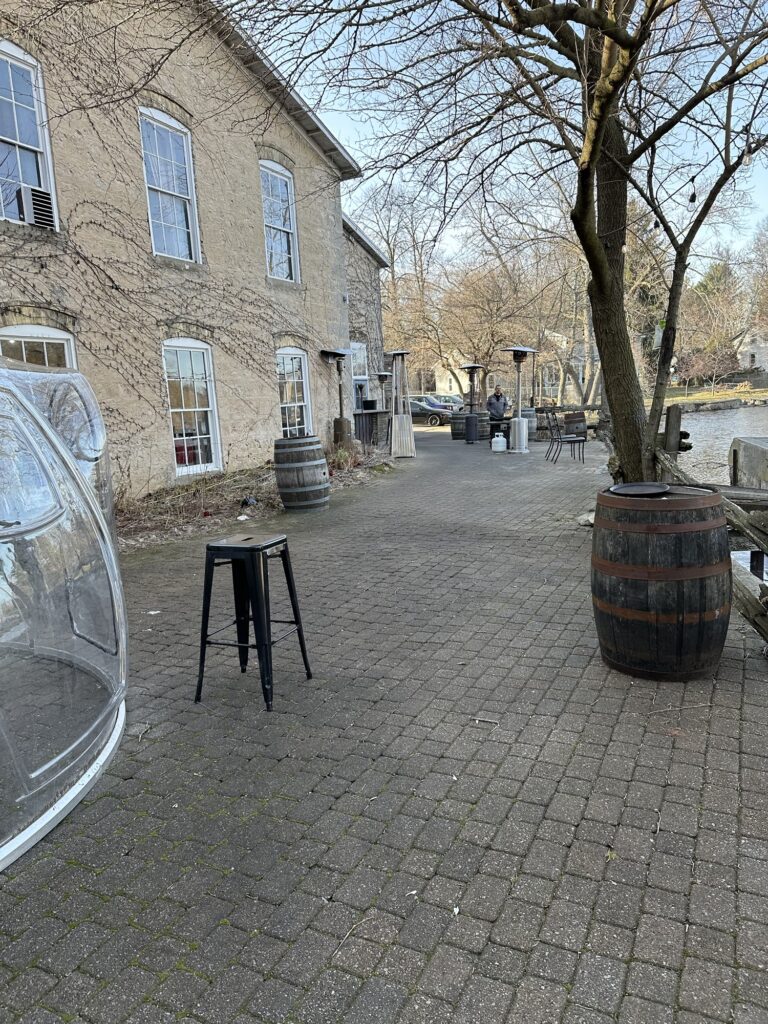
{"x":711,"y":435}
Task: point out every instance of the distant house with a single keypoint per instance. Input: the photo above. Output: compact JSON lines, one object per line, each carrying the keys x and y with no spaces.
{"x":184,"y":247}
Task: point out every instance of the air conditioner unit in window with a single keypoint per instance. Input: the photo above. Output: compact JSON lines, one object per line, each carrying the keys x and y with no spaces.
{"x":36,"y":206}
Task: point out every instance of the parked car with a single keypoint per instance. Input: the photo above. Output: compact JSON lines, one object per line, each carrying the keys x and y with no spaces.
{"x":455,"y":401}
{"x":433,"y":401}
{"x":429,"y":414}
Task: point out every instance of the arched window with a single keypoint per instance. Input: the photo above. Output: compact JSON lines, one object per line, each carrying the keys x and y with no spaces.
{"x":38,"y":345}
{"x":169,"y":176}
{"x":192,"y":400}
{"x":26,"y":172}
{"x":293,"y":385}
{"x":279,"y":205}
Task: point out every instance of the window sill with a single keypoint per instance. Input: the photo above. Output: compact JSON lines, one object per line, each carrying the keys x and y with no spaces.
{"x":184,"y":266}
{"x":281,"y":283}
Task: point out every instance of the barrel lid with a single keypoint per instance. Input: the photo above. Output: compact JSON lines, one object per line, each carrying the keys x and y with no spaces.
{"x":676,"y":496}
{"x":643,"y":489}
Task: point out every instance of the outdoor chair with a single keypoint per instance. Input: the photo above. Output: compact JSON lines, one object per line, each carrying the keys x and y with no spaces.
{"x":557,"y":439}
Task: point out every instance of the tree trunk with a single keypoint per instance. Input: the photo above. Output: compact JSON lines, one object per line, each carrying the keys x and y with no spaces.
{"x":596,"y":386}
{"x":600,"y":219}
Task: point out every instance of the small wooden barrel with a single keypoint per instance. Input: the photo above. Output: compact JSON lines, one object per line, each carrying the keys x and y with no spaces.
{"x":458,"y":432}
{"x":661,"y":582}
{"x":302,"y":474}
{"x":483,"y":425}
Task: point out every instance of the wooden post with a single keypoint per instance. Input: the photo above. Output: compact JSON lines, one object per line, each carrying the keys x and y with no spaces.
{"x":672,"y":427}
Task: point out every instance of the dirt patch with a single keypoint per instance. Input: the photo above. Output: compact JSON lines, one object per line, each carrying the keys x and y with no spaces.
{"x":214,"y":501}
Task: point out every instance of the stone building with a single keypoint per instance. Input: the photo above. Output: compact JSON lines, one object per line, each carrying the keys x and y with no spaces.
{"x":173,"y":228}
{"x":364,"y":261}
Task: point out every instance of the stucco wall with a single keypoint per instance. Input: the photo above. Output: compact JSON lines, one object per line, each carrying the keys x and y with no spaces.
{"x":98,"y":274}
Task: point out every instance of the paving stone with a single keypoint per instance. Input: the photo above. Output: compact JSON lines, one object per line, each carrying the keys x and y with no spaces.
{"x":484,"y":999}
{"x":538,"y":1002}
{"x":599,"y":982}
{"x":706,"y":988}
{"x":641,"y":1011}
{"x":378,"y":1002}
{"x":447,"y":973}
{"x":660,"y":941}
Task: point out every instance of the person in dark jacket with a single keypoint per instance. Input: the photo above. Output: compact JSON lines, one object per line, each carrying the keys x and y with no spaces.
{"x":497,"y":404}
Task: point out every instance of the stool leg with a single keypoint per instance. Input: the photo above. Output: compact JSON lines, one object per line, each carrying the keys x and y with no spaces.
{"x":288,"y":570}
{"x":242,"y":616}
{"x":257,"y":584}
{"x":207,"y":588}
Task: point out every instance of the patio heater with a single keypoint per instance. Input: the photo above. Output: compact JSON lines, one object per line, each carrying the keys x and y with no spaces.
{"x":470,"y":421}
{"x":342,"y":426}
{"x":519,"y":426}
{"x":403,"y":445}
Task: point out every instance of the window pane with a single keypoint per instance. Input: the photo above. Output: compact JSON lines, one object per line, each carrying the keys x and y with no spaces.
{"x":9,"y":166}
{"x":201,"y":394}
{"x":5,"y":79}
{"x":206,"y":451}
{"x":188,"y":394}
{"x":202,"y":423}
{"x":30,"y":167}
{"x":35,"y":352}
{"x":163,"y":169}
{"x":7,"y":123}
{"x":163,"y":142}
{"x":148,"y":136}
{"x":171,"y":363}
{"x":189,"y":424}
{"x":22,"y":85}
{"x":177,"y":424}
{"x":174,"y":394}
{"x":185,"y":362}
{"x":12,"y":349}
{"x":9,"y":199}
{"x":56,"y":353}
{"x":26,"y":119}
{"x":198,"y":364}
{"x":151,"y":169}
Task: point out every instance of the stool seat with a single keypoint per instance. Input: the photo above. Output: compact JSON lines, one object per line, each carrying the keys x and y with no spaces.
{"x":242,"y":541}
{"x":249,"y":555}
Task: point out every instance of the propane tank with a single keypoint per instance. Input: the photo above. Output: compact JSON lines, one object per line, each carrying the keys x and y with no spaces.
{"x":499,"y":443}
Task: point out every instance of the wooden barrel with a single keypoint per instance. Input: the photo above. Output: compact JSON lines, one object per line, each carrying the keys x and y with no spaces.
{"x":661,"y":582}
{"x":458,"y":432}
{"x":483,"y":425}
{"x":302,"y":474}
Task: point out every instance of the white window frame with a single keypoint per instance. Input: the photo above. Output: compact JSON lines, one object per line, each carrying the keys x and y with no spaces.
{"x":281,"y":172}
{"x":16,"y":55}
{"x":216,"y":465}
{"x":166,"y":121}
{"x":291,"y":351}
{"x":37,"y":332}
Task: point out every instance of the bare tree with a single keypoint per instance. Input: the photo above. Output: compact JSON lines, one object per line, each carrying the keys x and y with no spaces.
{"x":666,"y":97}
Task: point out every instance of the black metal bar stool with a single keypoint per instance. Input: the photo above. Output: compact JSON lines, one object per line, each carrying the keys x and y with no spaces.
{"x":249,"y":557}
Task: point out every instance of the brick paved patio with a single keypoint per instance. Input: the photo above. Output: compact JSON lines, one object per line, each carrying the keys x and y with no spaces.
{"x":379,"y":849}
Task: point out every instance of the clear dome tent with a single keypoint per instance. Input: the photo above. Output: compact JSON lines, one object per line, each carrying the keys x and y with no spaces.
{"x":63,"y":660}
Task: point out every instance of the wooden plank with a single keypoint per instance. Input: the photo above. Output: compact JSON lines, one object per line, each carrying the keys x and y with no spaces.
{"x":746,"y":598}
{"x":737,"y":517}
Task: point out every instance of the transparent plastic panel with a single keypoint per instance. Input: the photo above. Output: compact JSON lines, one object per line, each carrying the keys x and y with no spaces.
{"x":65,"y":398}
{"x":62,"y":618}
